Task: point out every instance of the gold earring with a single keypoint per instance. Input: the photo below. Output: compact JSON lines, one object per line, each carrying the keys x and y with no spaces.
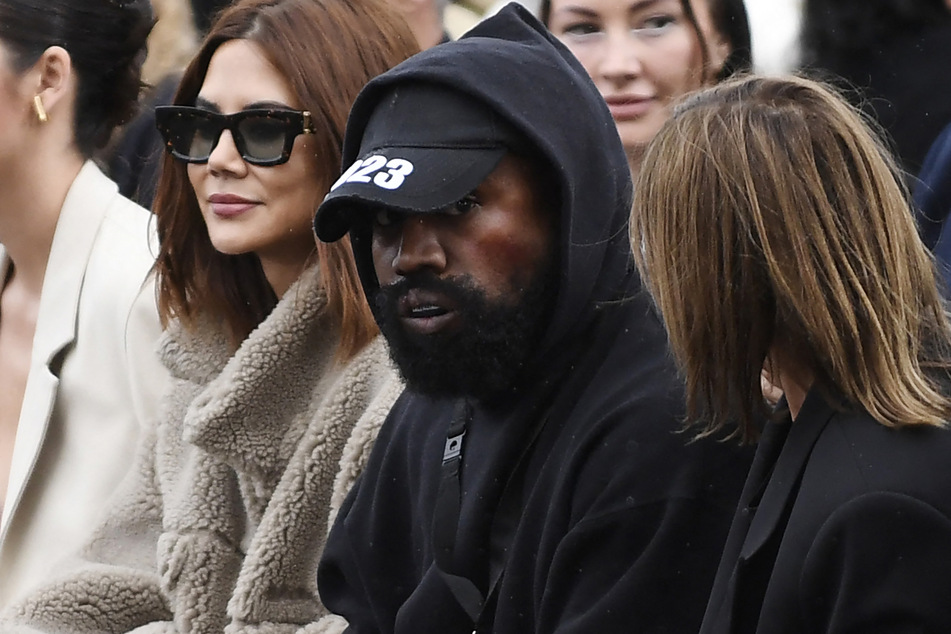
{"x":40,"y":110}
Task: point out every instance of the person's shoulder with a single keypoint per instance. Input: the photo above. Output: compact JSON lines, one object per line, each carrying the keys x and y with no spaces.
{"x":127,"y":232}
{"x":865,"y":437}
{"x":373,"y":366}
{"x":124,"y":251}
{"x":858,"y":454}
{"x":370,"y":378}
{"x":625,"y":376}
{"x":126,"y":219}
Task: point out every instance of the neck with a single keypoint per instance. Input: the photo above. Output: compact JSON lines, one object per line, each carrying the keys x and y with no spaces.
{"x":795,"y":383}
{"x":427,"y":27}
{"x":32,"y":193}
{"x":282,"y":273}
{"x":634,"y":158}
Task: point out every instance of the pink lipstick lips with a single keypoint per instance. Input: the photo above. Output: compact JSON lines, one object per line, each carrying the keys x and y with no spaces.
{"x":626,"y":107}
{"x":229,"y":205}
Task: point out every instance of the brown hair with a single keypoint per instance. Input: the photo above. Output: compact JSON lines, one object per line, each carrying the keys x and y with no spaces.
{"x":768,"y":217}
{"x":327,"y":50}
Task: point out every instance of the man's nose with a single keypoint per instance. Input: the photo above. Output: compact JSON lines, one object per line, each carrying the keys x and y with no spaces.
{"x":419,"y":247}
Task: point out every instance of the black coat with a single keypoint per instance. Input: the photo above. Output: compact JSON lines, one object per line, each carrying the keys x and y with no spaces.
{"x":848,"y":530}
{"x":622,"y":521}
{"x":618,"y":520}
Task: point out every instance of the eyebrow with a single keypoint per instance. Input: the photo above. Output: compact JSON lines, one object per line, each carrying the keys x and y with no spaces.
{"x":205,"y":104}
{"x":636,"y":6}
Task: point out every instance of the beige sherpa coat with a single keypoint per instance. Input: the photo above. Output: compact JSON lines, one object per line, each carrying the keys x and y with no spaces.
{"x":235,"y":490}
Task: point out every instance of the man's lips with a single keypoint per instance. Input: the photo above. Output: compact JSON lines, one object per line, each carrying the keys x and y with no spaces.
{"x":426,"y":312}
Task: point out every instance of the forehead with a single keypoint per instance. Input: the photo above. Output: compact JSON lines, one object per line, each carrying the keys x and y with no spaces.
{"x":614,"y":6}
{"x":240,"y":73}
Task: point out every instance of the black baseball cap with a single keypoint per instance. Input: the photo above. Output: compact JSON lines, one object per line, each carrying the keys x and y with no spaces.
{"x":424,"y":147}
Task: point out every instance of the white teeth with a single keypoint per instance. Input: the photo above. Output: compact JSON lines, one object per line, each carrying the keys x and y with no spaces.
{"x":428,"y":311}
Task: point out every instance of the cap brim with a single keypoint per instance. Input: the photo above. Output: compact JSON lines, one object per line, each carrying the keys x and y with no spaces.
{"x":409,"y":179}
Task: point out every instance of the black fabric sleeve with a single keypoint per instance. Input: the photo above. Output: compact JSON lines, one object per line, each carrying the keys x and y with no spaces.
{"x":880,"y":563}
{"x":646,"y":569}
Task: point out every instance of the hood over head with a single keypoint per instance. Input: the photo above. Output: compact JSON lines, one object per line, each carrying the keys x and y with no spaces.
{"x":441,"y":121}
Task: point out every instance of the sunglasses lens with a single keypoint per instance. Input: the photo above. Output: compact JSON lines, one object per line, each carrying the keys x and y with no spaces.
{"x":199,"y":138}
{"x":190,"y":137}
{"x":264,"y":138}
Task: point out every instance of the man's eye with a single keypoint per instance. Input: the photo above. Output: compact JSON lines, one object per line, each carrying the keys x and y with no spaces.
{"x":462,"y":206}
{"x":384,"y":218}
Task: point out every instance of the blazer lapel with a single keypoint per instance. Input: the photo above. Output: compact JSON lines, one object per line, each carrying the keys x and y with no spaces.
{"x":718,"y":614}
{"x":770,"y":488}
{"x":80,"y":218}
{"x":784,"y":481}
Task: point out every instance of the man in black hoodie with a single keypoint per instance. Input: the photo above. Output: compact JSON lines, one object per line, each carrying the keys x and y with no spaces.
{"x":532,"y":477}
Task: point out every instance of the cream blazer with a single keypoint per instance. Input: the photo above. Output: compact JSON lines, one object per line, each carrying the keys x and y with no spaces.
{"x":94,"y":380}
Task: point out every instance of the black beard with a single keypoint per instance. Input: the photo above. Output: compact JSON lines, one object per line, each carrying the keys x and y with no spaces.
{"x":485,"y":358}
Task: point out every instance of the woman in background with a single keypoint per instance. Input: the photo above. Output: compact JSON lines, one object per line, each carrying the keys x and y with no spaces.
{"x":643,"y":56}
{"x":279,"y":379}
{"x":79,"y":377}
{"x":773,"y":231}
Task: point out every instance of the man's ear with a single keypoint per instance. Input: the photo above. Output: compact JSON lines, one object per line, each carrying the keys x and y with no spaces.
{"x":54,"y":76}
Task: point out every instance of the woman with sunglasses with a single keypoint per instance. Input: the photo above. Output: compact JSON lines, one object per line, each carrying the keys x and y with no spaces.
{"x":79,"y":376}
{"x":279,"y":380}
{"x":645,"y":54}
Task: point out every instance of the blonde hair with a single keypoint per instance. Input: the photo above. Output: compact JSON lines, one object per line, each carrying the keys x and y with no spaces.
{"x":768,"y":216}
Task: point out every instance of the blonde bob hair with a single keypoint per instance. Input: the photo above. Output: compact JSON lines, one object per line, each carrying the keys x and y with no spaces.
{"x":769,"y":222}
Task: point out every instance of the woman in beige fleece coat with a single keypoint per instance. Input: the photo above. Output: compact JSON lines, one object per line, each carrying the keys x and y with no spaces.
{"x":279,"y":380}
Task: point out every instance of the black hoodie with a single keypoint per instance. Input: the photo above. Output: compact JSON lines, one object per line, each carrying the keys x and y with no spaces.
{"x":618,"y":520}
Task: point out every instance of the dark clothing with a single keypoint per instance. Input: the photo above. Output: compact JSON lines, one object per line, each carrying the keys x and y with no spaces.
{"x":933,"y":202}
{"x":844,"y":526}
{"x":622,"y":522}
{"x":206,"y":11}
{"x":613,"y":521}
{"x":904,"y":83}
{"x":137,"y":157}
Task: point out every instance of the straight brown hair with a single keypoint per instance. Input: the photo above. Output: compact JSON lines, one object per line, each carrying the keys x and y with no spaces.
{"x":327,"y":50}
{"x":768,"y":216}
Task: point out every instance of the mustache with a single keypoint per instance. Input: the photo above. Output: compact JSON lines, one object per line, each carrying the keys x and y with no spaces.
{"x":459,"y":289}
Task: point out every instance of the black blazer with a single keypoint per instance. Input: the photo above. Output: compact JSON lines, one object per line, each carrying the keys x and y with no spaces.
{"x":843,"y":526}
